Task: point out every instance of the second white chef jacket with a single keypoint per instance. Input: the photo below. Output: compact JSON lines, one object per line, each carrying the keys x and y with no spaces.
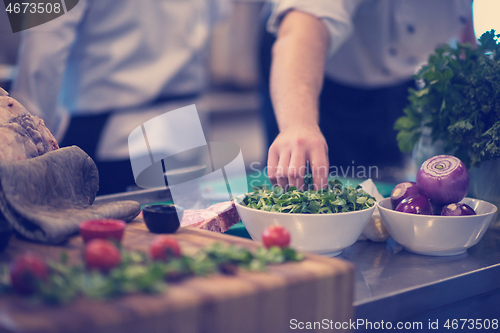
{"x":108,"y":55}
{"x":377,"y":43}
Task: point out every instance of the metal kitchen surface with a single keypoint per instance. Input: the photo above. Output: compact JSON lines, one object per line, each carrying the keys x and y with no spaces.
{"x":393,"y":284}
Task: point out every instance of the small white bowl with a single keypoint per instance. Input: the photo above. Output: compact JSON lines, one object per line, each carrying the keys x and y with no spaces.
{"x":326,"y":234}
{"x":438,"y":235}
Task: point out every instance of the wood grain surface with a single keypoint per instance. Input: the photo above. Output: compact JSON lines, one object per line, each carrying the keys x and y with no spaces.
{"x":315,"y":289}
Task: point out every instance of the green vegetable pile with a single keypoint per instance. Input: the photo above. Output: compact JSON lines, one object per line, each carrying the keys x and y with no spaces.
{"x":459,"y":102}
{"x":138,"y":273}
{"x":334,"y":199}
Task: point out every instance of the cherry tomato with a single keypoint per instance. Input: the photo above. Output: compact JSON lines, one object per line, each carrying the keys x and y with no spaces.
{"x":101,"y":254}
{"x":276,"y":235}
{"x":164,"y":247}
{"x":26,"y":272}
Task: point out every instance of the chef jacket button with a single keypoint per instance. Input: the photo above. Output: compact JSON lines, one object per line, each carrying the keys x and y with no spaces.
{"x":463,"y":19}
{"x":393,"y":51}
{"x":410,"y":28}
{"x":411,"y":61}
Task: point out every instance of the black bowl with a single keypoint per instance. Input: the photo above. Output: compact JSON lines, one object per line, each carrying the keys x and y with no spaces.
{"x":162,"y":219}
{"x":5,"y":233}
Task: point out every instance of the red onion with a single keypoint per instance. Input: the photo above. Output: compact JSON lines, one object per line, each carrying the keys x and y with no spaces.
{"x":416,"y":204}
{"x":402,"y":191}
{"x":443,"y":179}
{"x":457,"y":209}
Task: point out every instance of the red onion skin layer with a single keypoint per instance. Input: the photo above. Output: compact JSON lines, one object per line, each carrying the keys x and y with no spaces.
{"x":457,"y":209}
{"x":416,"y":204}
{"x":402,"y":191}
{"x":443,"y":179}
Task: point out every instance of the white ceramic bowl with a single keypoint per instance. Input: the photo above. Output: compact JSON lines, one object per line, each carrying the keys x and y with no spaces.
{"x":326,"y":234}
{"x":438,"y":235}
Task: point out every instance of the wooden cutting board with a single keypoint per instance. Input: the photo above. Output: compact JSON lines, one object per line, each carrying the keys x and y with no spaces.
{"x":315,"y":289}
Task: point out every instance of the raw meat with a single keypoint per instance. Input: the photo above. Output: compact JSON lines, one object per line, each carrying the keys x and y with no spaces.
{"x":219,"y":217}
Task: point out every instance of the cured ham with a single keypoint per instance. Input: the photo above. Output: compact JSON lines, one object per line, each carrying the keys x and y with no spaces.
{"x":22,"y":135}
{"x":219,"y":217}
{"x":46,"y":192}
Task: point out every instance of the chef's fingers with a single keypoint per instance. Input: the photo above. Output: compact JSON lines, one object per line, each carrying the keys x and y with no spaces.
{"x":272,"y":165}
{"x":282,"y":170}
{"x":318,"y":159}
{"x":297,"y":168}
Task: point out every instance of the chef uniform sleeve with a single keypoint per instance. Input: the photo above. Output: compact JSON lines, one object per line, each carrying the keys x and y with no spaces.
{"x":335,"y":14}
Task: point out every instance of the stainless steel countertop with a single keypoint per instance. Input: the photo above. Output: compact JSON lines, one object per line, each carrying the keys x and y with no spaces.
{"x":392,"y":284}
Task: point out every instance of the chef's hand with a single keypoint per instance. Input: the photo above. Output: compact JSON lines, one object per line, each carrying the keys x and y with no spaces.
{"x":290,"y":151}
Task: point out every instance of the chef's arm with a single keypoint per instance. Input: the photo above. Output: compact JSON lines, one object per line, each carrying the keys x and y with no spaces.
{"x":42,"y":60}
{"x":297,"y":73}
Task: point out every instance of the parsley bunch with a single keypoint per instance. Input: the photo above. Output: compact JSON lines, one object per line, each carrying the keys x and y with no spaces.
{"x":334,"y":199}
{"x":460,"y":102}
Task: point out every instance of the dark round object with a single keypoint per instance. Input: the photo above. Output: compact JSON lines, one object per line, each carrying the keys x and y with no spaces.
{"x":457,"y":209}
{"x":162,"y":219}
{"x":5,"y":233}
{"x":436,"y":208}
{"x":417,"y":204}
{"x":402,"y":191}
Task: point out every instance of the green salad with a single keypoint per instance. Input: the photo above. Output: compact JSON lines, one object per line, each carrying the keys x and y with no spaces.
{"x":334,"y":199}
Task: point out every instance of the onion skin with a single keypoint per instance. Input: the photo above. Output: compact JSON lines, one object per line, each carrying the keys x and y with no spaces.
{"x":444,"y":179}
{"x":416,"y":204}
{"x":457,"y":209}
{"x":403,"y":191}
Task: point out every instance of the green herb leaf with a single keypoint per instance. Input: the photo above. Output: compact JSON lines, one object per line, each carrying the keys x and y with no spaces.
{"x":335,"y":198}
{"x":459,"y":101}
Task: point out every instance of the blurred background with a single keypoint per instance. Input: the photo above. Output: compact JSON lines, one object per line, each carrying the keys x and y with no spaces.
{"x":232,"y":104}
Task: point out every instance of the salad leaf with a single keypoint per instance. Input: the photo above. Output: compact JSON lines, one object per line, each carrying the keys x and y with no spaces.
{"x":334,"y":199}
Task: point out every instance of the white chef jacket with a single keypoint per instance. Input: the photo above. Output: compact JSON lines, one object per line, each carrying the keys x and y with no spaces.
{"x":377,"y":43}
{"x":115,"y":55}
